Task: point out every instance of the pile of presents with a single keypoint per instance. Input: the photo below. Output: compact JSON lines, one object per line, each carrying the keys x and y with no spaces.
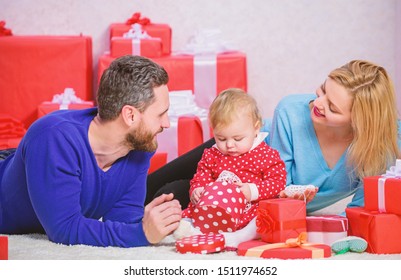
{"x":37,"y":68}
{"x":288,"y":233}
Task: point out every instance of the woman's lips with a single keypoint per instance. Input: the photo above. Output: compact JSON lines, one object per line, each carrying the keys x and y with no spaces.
{"x":317,"y":112}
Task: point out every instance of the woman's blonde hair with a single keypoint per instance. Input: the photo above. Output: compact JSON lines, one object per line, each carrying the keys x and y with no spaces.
{"x":231,"y":103}
{"x":373,"y":115}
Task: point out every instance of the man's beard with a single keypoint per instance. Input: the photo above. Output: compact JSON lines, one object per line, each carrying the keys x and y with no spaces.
{"x":141,"y":140}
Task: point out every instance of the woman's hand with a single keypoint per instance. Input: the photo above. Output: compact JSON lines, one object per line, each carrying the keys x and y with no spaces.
{"x":196,"y":195}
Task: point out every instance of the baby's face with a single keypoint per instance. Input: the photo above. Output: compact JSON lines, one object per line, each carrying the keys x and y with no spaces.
{"x":236,"y":138}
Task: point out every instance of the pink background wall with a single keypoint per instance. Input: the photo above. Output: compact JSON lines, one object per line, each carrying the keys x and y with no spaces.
{"x":291,"y":45}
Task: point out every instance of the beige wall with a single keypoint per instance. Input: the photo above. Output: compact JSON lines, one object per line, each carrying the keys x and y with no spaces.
{"x":291,"y":45}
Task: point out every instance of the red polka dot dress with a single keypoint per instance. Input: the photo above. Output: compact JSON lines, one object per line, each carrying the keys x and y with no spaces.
{"x":261,"y":166}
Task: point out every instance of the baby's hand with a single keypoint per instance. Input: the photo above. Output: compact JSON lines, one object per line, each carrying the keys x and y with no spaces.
{"x":196,"y":194}
{"x":302,"y":192}
{"x":245,"y":189}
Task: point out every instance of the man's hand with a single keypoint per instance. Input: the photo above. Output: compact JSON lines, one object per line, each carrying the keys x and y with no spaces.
{"x":162,"y":216}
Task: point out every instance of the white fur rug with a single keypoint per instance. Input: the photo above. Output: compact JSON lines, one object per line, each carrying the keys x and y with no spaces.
{"x":38,"y":247}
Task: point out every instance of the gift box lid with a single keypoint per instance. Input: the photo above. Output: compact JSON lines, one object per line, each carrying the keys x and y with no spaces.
{"x":326,"y":223}
{"x":201,"y":244}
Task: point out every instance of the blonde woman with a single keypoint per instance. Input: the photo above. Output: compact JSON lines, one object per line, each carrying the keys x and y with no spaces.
{"x":333,"y":139}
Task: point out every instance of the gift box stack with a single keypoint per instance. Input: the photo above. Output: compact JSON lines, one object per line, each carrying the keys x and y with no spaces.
{"x":34,"y":69}
{"x":379,"y":221}
{"x":204,"y":67}
{"x":282,"y":224}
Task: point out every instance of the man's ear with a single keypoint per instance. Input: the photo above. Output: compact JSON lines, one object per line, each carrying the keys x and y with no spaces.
{"x":129,"y":114}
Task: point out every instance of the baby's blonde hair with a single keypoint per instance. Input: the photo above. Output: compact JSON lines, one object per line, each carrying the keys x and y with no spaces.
{"x":230,"y":103}
{"x":373,"y":115}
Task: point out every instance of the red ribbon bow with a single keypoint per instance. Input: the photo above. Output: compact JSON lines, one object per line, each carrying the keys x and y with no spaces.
{"x":136,"y":18}
{"x":3,"y":30}
{"x":264,"y":221}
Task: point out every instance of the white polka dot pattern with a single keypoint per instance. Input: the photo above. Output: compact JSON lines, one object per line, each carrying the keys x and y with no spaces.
{"x":215,"y":213}
{"x":261,"y":166}
{"x":201,"y":244}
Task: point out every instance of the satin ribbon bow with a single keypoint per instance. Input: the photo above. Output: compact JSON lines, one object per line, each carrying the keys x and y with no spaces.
{"x":3,"y":30}
{"x":264,"y":221}
{"x":394,"y":171}
{"x":136,"y":32}
{"x":136,"y":18}
{"x":297,"y":242}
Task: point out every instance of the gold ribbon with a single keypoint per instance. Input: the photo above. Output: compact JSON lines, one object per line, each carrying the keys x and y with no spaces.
{"x":299,"y":242}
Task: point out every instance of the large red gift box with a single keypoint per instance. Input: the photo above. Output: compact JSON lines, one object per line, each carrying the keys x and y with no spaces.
{"x":156,"y":30}
{"x":382,"y":194}
{"x":47,"y":107}
{"x":326,"y":229}
{"x":3,"y":248}
{"x":382,"y":231}
{"x":279,"y":219}
{"x":206,"y":76}
{"x":144,"y":47}
{"x":283,"y":250}
{"x":33,"y":68}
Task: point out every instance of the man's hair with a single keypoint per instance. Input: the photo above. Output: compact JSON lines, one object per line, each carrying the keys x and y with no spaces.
{"x":129,"y":80}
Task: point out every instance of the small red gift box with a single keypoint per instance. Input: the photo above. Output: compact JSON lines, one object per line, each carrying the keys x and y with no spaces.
{"x":279,"y":219}
{"x":290,"y":249}
{"x":382,"y":231}
{"x":326,"y":228}
{"x":382,"y":194}
{"x":219,"y":209}
{"x":156,"y":30}
{"x":3,"y":248}
{"x":47,"y":107}
{"x":144,"y":47}
{"x":201,"y":244}
{"x":206,"y":76}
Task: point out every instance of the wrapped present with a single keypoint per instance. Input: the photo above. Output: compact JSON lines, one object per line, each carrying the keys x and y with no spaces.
{"x":326,"y":229}
{"x":206,"y":65}
{"x":383,"y":193}
{"x":188,"y":129}
{"x":64,"y":101}
{"x":11,"y":131}
{"x":220,"y":208}
{"x":201,"y":244}
{"x":157,"y":161}
{"x":35,"y":67}
{"x":382,"y":231}
{"x":205,"y":75}
{"x":155,"y":30}
{"x":136,"y":42}
{"x":294,"y":248}
{"x":3,"y":247}
{"x":279,"y":219}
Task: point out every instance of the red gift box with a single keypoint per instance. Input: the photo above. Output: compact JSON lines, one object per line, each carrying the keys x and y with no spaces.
{"x":33,"y":68}
{"x":382,"y":194}
{"x":201,"y":244}
{"x":214,"y":212}
{"x":326,"y":229}
{"x":47,"y":107}
{"x":205,"y":76}
{"x":144,"y":47}
{"x":290,"y":249}
{"x":279,"y":219}
{"x":3,"y":248}
{"x":382,"y":231}
{"x":156,"y":30}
